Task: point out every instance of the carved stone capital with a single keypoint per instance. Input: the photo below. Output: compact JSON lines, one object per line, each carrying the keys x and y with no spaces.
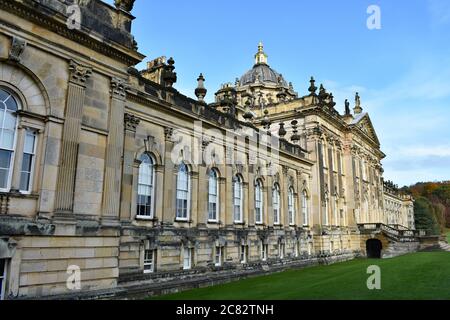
{"x":118,"y":88}
{"x":168,"y":133}
{"x":18,"y":46}
{"x":131,"y":122}
{"x":79,"y":73}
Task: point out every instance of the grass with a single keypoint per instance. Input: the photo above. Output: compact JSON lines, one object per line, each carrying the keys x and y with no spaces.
{"x":448,"y":235}
{"x":422,"y":275}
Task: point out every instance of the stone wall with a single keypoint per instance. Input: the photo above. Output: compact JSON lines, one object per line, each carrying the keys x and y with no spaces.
{"x":45,"y":261}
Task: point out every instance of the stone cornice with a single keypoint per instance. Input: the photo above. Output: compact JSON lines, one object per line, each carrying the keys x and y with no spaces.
{"x":82,"y":37}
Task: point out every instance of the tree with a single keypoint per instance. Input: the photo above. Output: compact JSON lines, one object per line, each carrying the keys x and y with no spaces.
{"x":424,"y":215}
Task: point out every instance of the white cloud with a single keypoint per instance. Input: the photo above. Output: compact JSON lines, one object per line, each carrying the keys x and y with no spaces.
{"x":424,"y":151}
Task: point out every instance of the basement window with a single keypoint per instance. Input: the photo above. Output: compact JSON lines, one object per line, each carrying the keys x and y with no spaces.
{"x":149,"y":261}
{"x":187,"y":258}
{"x":2,"y":278}
{"x":218,"y":259}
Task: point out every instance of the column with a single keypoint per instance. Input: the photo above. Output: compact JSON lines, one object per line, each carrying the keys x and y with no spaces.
{"x":114,"y":153}
{"x":78,"y":75}
{"x":131,"y":122}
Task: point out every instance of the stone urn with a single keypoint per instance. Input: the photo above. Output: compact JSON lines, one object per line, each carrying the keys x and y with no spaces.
{"x":126,"y":5}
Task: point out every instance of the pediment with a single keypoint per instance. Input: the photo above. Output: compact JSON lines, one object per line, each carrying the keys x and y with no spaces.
{"x":364,"y":123}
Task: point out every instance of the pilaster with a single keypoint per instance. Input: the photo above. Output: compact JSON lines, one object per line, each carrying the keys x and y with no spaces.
{"x":78,"y":75}
{"x":114,"y":153}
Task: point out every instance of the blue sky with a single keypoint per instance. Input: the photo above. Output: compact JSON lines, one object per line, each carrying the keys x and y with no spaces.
{"x":402,"y":71}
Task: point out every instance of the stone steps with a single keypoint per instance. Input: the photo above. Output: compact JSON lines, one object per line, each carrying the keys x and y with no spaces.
{"x":444,"y":246}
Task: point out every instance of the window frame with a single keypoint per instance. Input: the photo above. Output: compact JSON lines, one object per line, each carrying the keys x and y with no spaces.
{"x":264,"y":251}
{"x":259,"y":193}
{"x":16,"y":133}
{"x":152,"y":263}
{"x":218,"y":252}
{"x":152,"y":186}
{"x":188,"y":193}
{"x":243,"y":254}
{"x":33,"y":160}
{"x":213,"y":174}
{"x":189,"y":258}
{"x":291,"y":206}
{"x":281,"y":250}
{"x":238,"y":181}
{"x":305,"y":208}
{"x":3,"y":276}
{"x":276,"y":195}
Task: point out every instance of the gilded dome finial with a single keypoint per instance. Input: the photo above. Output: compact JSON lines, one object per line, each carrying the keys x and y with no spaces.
{"x":260,"y":56}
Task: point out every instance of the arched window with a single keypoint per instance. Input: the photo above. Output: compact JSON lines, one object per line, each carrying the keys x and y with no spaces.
{"x":276,"y":203}
{"x":183,"y":193}
{"x":291,"y":206}
{"x":237,"y":198}
{"x":146,"y":190}
{"x":213,"y":196}
{"x":8,"y":127}
{"x":305,"y":208}
{"x":258,"y":202}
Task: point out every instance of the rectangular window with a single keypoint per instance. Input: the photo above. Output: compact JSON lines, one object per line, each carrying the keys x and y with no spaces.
{"x":218,"y":257}
{"x":281,"y":250}
{"x":5,"y":166}
{"x":149,"y":261}
{"x":187,"y":258}
{"x":2,"y":278}
{"x":29,"y":152}
{"x":264,"y":251}
{"x":212,"y":200}
{"x":237,"y":199}
{"x":244,"y":253}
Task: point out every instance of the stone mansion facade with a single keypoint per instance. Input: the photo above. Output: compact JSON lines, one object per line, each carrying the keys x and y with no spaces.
{"x":111,"y":171}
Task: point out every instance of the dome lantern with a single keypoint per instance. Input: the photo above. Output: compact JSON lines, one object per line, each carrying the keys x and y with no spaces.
{"x":260,"y":56}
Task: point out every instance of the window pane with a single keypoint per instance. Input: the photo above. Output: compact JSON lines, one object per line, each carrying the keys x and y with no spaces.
{"x":10,"y":121}
{"x":3,"y":95}
{"x":26,"y":162}
{"x":24,"y":181}
{"x":3,"y":178}
{"x":29,"y":142}
{"x":5,"y":157}
{"x":7,"y":139}
{"x":11,"y":103}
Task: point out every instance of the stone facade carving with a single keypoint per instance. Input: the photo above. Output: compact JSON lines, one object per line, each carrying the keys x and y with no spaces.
{"x":18,"y":46}
{"x":79,"y":73}
{"x":118,"y":88}
{"x":131,"y":122}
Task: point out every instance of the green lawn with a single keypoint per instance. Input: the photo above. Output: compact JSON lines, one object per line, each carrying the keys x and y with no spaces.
{"x":423,"y":275}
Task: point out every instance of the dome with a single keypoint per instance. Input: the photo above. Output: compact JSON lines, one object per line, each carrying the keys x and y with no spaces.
{"x":263,"y":73}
